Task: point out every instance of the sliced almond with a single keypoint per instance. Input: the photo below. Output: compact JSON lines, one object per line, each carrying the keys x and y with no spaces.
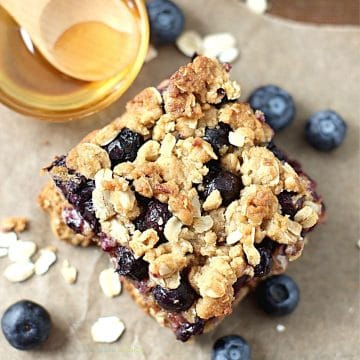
{"x":236,"y":138}
{"x":189,"y":43}
{"x":45,"y":260}
{"x":107,"y":329}
{"x":3,"y":252}
{"x":203,"y":224}
{"x":19,"y":271}
{"x":213,"y":201}
{"x":234,"y":237}
{"x":229,"y":55}
{"x":69,"y":272}
{"x":7,"y":239}
{"x":257,"y":6}
{"x":215,"y":44}
{"x":110,"y":283}
{"x":21,"y":250}
{"x":172,"y":229}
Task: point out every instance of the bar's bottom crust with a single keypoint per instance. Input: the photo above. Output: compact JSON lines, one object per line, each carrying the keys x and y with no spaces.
{"x":151,"y":308}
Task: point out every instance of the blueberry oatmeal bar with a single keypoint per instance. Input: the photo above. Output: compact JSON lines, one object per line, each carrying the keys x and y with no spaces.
{"x":189,"y":196}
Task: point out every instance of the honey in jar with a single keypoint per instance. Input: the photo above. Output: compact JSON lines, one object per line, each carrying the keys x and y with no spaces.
{"x":31,"y":85}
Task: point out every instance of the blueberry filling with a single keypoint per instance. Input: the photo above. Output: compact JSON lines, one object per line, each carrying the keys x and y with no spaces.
{"x":88,"y":213}
{"x":225,"y":100}
{"x":59,"y":161}
{"x":127,"y":265}
{"x":155,"y":217}
{"x":240,"y":282}
{"x":277,"y":152}
{"x":264,"y":267}
{"x":265,"y":248}
{"x":71,"y":188}
{"x":176,"y":300}
{"x":124,"y":147}
{"x":186,"y":330}
{"x":288,"y":205}
{"x":218,"y":137}
{"x":78,"y":192}
{"x":75,"y":221}
{"x":108,"y":244}
{"x":228,"y":184}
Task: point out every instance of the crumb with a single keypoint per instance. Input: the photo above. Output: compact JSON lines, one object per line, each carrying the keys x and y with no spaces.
{"x":69,"y":272}
{"x":14,"y":223}
{"x":358,"y":243}
{"x":280,"y":328}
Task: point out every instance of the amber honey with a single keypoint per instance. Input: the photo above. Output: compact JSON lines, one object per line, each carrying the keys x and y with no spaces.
{"x":30,"y":85}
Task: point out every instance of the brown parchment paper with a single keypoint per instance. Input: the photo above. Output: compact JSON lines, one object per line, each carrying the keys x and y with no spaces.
{"x":320,"y":67}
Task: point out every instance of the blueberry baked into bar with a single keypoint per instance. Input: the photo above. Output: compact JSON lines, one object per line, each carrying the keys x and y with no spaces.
{"x":189,"y":196}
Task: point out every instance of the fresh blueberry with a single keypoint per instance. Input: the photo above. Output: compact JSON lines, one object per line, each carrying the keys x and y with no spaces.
{"x":26,"y":324}
{"x":278,"y":295}
{"x":59,"y":161}
{"x":108,"y":244}
{"x":186,"y":330}
{"x":127,"y":265}
{"x":166,"y":21}
{"x":155,"y":217}
{"x":325,"y":130}
{"x":218,"y":137}
{"x":226,"y":182}
{"x":276,"y":103}
{"x":231,"y":347}
{"x":124,"y":147}
{"x":176,"y":300}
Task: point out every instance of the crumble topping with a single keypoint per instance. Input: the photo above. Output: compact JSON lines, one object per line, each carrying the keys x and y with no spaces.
{"x":88,"y":159}
{"x":212,"y":240}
